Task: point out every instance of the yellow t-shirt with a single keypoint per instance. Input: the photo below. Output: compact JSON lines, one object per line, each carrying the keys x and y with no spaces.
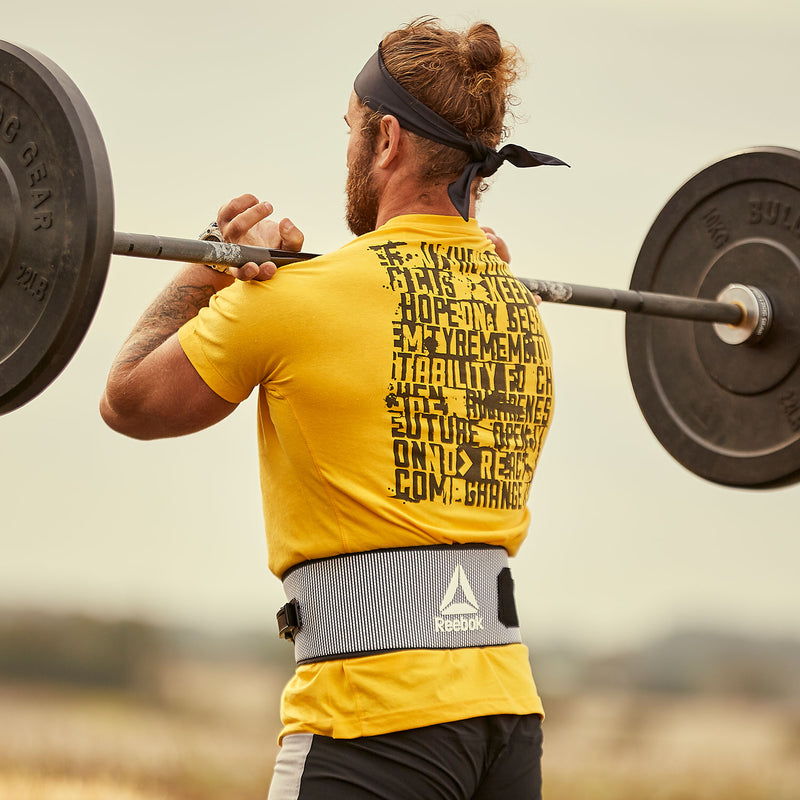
{"x":405,"y":391}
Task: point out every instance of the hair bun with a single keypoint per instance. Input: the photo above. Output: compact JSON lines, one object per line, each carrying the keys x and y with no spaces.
{"x":483,"y":50}
{"x":465,"y":77}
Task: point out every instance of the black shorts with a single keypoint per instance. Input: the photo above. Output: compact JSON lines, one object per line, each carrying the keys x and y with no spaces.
{"x":484,"y":758}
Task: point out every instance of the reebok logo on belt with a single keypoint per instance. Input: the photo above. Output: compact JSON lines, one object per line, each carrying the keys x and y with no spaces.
{"x":458,"y":601}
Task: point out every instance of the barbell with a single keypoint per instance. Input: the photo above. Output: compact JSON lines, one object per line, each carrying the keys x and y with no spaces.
{"x":713,"y":322}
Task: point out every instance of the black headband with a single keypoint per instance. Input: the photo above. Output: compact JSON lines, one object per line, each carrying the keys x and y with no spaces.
{"x":377,"y":89}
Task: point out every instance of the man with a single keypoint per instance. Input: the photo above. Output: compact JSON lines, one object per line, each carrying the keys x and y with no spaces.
{"x":404,"y":395}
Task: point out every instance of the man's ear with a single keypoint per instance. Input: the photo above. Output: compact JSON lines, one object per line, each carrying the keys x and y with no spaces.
{"x":387,"y":145}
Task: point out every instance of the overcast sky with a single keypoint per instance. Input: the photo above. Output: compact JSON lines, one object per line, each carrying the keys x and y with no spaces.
{"x":199,"y":102}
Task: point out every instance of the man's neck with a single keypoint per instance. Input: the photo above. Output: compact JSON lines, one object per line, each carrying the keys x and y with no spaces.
{"x":411,"y":198}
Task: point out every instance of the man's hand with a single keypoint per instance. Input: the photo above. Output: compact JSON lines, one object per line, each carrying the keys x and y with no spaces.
{"x":244,"y":220}
{"x":501,"y":248}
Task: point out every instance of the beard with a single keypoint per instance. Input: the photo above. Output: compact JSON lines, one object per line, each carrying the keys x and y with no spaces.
{"x":363,"y":197}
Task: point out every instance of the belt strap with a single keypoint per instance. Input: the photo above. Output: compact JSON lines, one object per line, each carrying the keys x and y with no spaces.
{"x":434,"y":597}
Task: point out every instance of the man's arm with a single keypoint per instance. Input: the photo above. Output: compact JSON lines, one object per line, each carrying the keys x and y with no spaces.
{"x":153,"y":391}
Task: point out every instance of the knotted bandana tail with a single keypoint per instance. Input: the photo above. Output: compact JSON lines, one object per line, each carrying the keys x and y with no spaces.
{"x":377,"y":89}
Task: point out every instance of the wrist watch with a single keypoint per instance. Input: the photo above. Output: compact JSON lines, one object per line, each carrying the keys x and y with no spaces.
{"x":212,"y":234}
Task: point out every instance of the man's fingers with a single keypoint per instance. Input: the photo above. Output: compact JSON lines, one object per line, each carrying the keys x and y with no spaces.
{"x":501,"y":248}
{"x":291,"y":236}
{"x":239,"y":224}
{"x":254,"y":272}
{"x":233,"y":207}
{"x":244,"y":220}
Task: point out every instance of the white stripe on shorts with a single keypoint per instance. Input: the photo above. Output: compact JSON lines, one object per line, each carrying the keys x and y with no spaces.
{"x":289,"y":767}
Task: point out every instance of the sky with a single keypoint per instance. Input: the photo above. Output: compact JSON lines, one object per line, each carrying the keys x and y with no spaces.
{"x":198,"y":103}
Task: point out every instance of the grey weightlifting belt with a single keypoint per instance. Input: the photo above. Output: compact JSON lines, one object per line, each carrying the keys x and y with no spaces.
{"x":433,"y":597}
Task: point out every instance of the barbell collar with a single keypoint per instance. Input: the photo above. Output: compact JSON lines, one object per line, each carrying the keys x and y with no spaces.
{"x":756,"y":314}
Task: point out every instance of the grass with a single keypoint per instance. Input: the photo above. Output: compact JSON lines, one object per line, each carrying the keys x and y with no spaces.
{"x":194,"y":742}
{"x":210,"y":732}
{"x":27,"y":786}
{"x":627,"y":747}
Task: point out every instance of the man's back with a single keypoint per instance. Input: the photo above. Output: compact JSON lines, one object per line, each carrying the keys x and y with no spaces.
{"x":404,"y":391}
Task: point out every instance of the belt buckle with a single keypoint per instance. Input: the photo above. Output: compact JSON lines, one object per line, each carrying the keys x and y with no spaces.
{"x":289,"y":621}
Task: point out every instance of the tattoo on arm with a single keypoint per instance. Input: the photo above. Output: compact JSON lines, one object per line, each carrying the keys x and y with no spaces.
{"x":174,"y":306}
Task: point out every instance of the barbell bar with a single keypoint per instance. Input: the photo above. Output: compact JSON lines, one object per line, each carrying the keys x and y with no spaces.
{"x":722,"y":398}
{"x":195,"y":251}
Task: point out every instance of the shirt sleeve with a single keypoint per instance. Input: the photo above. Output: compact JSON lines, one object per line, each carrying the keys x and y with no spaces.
{"x":226,"y":341}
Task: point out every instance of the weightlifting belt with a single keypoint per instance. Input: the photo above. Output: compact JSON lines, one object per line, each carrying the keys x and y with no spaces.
{"x":435,"y":597}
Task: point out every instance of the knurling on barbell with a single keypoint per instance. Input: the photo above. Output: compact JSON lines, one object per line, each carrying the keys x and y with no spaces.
{"x":712,"y":328}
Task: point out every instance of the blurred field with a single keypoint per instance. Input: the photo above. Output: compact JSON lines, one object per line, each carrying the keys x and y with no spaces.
{"x":98,"y":711}
{"x":212,"y":735}
{"x":634,"y":747}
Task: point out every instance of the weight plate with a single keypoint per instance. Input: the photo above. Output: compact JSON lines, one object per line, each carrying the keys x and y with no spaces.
{"x":57,"y":224}
{"x":729,"y":413}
